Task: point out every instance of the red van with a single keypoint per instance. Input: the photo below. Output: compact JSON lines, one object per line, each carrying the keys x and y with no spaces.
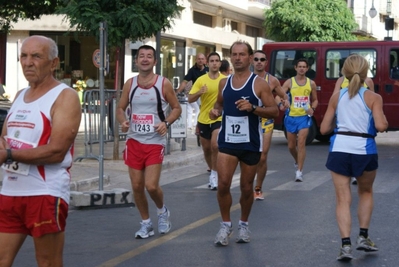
{"x":325,"y":62}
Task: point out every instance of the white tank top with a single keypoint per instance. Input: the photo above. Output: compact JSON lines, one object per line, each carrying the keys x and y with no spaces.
{"x":29,"y":125}
{"x":147,"y":106}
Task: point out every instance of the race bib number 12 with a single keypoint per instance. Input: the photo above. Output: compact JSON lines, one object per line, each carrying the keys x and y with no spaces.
{"x":237,"y":129}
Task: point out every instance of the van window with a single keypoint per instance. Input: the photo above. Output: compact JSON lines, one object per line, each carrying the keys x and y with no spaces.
{"x":284,"y":67}
{"x":335,"y":60}
{"x":394,"y":64}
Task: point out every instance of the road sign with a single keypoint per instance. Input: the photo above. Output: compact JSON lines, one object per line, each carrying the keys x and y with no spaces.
{"x":96,"y":58}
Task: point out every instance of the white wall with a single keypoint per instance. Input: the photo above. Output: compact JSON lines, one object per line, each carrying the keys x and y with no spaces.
{"x":15,"y":79}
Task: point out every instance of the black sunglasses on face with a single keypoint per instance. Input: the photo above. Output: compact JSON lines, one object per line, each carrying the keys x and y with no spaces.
{"x":262,"y":59}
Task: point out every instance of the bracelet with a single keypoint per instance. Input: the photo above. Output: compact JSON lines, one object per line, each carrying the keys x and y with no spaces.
{"x":313,"y":108}
{"x":279,"y":104}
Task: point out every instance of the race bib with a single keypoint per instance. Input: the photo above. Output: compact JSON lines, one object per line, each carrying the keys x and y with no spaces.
{"x":300,"y":101}
{"x":143,"y":123}
{"x":17,"y":167}
{"x":237,"y":129}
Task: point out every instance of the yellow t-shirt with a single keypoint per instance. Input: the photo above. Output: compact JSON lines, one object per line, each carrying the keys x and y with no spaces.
{"x":208,"y":99}
{"x":345,"y":84}
{"x":300,"y":96}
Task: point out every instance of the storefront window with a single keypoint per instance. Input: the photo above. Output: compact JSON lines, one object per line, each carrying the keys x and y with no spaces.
{"x":172,"y":60}
{"x":76,"y":60}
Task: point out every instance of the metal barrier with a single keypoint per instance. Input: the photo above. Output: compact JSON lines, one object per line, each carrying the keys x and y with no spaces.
{"x":92,"y":117}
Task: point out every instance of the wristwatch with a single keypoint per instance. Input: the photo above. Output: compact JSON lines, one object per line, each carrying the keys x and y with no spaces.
{"x":167,"y":124}
{"x":253,"y":108}
{"x":9,"y":156}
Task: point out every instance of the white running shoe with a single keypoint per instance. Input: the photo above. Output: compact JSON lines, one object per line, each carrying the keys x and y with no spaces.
{"x":213,"y":181}
{"x":222,"y":237}
{"x":345,"y":253}
{"x":243,"y":234}
{"x":365,"y":244}
{"x":164,"y":223}
{"x":298,"y":176}
{"x":146,"y":230}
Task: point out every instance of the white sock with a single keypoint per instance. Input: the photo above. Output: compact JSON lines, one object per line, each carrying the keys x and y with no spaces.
{"x":227,"y":223}
{"x":147,"y":221}
{"x":243,"y":223}
{"x":214,"y":172}
{"x":161,"y":210}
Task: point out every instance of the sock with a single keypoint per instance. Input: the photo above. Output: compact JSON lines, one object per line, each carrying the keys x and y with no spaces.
{"x":242,"y":223}
{"x":161,"y":210}
{"x":228,"y":224}
{"x":213,"y":172}
{"x":364,"y":232}
{"x":346,"y":241}
{"x":147,"y":221}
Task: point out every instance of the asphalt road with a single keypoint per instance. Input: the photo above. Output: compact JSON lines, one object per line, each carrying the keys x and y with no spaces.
{"x":294,"y":226}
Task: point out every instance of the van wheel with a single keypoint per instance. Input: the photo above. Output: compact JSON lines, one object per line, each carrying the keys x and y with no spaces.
{"x":311,"y":134}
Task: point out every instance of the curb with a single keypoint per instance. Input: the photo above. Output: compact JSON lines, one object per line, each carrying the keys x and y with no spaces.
{"x":89,"y":183}
{"x":180,"y":159}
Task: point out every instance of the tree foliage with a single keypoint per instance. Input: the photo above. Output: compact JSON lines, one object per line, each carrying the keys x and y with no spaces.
{"x":309,"y":20}
{"x":125,"y":19}
{"x":13,"y":10}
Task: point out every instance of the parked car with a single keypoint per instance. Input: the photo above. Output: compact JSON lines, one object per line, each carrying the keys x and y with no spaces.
{"x":5,"y":105}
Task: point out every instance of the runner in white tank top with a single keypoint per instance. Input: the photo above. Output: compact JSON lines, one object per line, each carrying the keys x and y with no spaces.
{"x":28,"y":126}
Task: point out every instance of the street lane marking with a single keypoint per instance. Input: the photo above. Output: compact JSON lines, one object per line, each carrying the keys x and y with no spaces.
{"x":311,"y":180}
{"x":234,"y":183}
{"x":161,"y":240}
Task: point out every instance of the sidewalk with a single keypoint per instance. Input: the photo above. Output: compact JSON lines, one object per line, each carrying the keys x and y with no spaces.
{"x":85,"y":173}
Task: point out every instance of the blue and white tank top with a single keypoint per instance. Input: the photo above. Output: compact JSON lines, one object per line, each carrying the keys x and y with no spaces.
{"x":354,"y":116}
{"x":240,"y":130}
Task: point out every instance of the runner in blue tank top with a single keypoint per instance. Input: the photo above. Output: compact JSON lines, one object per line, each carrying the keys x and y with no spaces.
{"x":243,"y":98}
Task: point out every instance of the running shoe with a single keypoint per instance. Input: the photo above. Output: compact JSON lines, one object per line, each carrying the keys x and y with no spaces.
{"x":354,"y":181}
{"x":213,"y":181}
{"x":258,"y":195}
{"x":222,"y":237}
{"x":345,"y":254}
{"x":164,"y":223}
{"x":243,"y":234}
{"x":365,"y":244}
{"x":298,"y":176}
{"x":146,"y":230}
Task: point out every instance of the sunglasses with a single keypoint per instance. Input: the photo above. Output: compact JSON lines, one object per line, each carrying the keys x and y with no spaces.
{"x":262,"y":59}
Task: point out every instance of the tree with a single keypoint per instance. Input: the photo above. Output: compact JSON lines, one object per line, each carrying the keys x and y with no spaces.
{"x":309,"y":20}
{"x":12,"y":11}
{"x":126,"y":19}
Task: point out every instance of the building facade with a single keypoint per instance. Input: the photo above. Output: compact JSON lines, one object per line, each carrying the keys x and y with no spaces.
{"x":203,"y":26}
{"x":370,"y":15}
